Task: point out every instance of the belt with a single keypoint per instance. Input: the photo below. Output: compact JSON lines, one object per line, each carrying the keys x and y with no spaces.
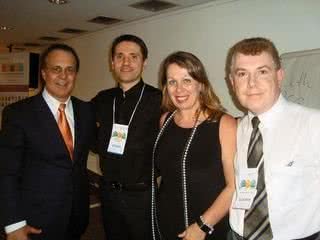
{"x":135,"y":187}
{"x":236,"y":236}
{"x":315,"y":236}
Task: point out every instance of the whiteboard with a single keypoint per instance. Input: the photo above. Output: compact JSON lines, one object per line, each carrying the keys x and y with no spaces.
{"x":302,"y":77}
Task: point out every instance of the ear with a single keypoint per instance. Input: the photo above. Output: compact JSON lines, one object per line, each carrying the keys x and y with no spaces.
{"x":280,"y":76}
{"x":144,"y":63}
{"x":200,"y":88}
{"x":43,"y":74}
{"x":112,"y":64}
{"x":231,"y":81}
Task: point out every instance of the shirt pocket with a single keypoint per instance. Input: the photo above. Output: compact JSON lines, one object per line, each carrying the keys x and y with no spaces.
{"x":290,"y":185}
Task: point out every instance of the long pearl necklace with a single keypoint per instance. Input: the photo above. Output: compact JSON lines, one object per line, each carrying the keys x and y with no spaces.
{"x":154,"y":220}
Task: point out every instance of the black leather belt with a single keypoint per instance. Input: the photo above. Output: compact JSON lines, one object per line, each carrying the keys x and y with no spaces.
{"x":235,"y":236}
{"x":137,"y":187}
{"x":315,"y":236}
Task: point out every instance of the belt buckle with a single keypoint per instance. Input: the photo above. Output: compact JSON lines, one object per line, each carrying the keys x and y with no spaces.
{"x":116,"y":186}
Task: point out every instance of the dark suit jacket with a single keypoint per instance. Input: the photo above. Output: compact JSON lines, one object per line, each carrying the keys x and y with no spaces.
{"x":38,"y":180}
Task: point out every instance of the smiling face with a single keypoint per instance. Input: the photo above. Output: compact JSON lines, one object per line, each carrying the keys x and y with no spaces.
{"x":182,"y":89}
{"x":128,"y":63}
{"x":256,"y":81}
{"x":59,"y":74}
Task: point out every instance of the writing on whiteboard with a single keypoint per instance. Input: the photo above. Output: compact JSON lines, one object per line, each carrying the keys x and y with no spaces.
{"x":301,"y":83}
{"x":302,"y":77}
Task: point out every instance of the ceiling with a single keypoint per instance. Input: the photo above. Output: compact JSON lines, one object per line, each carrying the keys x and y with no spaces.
{"x":29,"y":20}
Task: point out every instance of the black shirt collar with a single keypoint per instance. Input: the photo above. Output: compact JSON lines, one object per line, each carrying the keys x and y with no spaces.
{"x":133,"y":91}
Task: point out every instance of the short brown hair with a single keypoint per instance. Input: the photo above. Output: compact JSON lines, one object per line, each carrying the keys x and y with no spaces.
{"x":252,"y":46}
{"x":130,"y":38}
{"x":209,"y":101}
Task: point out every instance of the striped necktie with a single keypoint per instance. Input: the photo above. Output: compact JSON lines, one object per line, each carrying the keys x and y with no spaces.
{"x":65,"y":129}
{"x":256,"y":219}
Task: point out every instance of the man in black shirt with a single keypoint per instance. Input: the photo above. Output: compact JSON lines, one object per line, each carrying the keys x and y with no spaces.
{"x":128,"y":120}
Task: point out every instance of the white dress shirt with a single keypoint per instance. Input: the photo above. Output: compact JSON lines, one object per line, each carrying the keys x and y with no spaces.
{"x":53,"y":104}
{"x":291,"y":147}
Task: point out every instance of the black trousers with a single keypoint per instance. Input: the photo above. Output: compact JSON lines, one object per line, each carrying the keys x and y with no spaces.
{"x":126,"y":214}
{"x":68,"y":236}
{"x":52,"y":236}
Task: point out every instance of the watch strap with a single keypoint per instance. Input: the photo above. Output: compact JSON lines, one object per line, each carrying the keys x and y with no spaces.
{"x":208,"y":229}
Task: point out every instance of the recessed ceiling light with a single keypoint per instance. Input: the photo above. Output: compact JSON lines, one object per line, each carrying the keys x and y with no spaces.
{"x":30,"y":44}
{"x":73,"y":30}
{"x":19,"y":48}
{"x":48,"y":38}
{"x":104,"y":20}
{"x":59,"y":2}
{"x":5,"y":28}
{"x":153,"y":5}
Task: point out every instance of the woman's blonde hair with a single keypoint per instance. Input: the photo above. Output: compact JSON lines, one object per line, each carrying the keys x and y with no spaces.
{"x":209,"y":101}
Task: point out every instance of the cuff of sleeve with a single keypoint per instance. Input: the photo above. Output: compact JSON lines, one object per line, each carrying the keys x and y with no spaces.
{"x":12,"y":227}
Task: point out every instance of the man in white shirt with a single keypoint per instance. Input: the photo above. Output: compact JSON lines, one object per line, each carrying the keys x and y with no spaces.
{"x":290,"y":158}
{"x":44,"y":145}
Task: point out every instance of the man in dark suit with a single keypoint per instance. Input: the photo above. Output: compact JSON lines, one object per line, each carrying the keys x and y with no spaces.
{"x":44,"y":145}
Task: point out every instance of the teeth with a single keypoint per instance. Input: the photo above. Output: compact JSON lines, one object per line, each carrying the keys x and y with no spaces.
{"x":126,"y":70}
{"x":62,"y":84}
{"x":181,"y":98}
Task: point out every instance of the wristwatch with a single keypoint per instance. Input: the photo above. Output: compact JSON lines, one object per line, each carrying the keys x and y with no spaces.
{"x":204,"y":226}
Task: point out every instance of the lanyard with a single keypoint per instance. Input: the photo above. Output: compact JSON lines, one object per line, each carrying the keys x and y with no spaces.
{"x":134,"y":110}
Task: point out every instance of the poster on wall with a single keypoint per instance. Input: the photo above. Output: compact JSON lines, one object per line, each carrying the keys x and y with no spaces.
{"x":14,"y":78}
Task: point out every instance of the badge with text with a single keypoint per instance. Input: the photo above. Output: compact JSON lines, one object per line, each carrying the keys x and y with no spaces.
{"x":118,"y":138}
{"x":247,"y":189}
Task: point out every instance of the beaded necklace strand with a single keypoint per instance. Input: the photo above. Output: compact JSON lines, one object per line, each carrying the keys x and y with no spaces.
{"x":154,"y":220}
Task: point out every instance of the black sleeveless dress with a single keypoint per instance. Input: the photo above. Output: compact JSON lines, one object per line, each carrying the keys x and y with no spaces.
{"x":204,"y":174}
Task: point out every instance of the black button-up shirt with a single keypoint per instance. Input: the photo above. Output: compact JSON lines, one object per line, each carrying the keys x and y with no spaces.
{"x":134,"y":165}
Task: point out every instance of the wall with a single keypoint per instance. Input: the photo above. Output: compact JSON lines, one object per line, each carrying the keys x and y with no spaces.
{"x":208,"y":31}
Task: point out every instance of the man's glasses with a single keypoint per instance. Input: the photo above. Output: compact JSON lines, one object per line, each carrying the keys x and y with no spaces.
{"x":58,"y":70}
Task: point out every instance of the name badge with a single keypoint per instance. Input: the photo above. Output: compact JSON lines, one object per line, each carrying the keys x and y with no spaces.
{"x":118,"y":138}
{"x":247,"y":189}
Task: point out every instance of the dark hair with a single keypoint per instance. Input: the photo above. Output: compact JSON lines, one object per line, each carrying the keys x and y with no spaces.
{"x":58,"y":46}
{"x":252,"y":46}
{"x":209,"y":101}
{"x":130,"y":38}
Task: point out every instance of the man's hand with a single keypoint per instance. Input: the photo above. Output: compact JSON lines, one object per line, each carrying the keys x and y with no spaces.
{"x":22,"y":233}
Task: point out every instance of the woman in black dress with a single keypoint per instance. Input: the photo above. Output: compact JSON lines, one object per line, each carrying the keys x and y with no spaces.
{"x":193,"y":155}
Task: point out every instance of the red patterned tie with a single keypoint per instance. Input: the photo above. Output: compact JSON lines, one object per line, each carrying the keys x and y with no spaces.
{"x":65,"y":129}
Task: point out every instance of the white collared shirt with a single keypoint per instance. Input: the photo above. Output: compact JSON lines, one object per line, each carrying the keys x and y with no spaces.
{"x":291,"y":146}
{"x":53,"y":105}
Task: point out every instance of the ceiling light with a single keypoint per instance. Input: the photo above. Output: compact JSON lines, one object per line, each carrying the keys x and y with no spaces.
{"x":5,"y":28}
{"x":59,"y":2}
{"x":19,"y":48}
{"x":104,"y":20}
{"x":48,"y":38}
{"x":153,"y":5}
{"x":73,"y":30}
{"x":30,"y":44}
